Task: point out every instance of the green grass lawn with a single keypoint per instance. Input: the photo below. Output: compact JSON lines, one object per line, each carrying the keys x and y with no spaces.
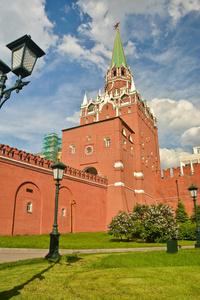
{"x":139,"y":275}
{"x":84,"y":240}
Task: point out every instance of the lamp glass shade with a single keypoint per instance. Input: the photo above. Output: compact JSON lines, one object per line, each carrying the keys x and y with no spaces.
{"x":58,"y":170}
{"x":193,"y":191}
{"x":58,"y":174}
{"x":23,"y":61}
{"x":17,"y":57}
{"x":29,"y":60}
{"x":24,"y":55}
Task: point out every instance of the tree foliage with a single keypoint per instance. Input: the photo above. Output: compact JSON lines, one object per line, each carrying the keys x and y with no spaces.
{"x":192,"y":217}
{"x":181,"y":213}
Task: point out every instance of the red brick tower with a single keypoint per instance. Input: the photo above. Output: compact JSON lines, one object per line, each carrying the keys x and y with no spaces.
{"x":117,"y":138}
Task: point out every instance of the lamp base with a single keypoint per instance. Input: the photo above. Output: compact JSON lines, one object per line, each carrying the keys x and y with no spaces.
{"x":54,"y":246}
{"x":197,"y":245}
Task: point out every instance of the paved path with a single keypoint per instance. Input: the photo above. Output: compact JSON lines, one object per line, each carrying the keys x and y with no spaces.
{"x":15,"y":254}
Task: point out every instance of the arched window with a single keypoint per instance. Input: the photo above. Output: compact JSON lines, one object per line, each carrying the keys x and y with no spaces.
{"x":90,"y":170}
{"x":72,"y":148}
{"x":120,"y":112}
{"x":129,"y":110}
{"x":29,"y":208}
{"x":107,"y":142}
{"x":63,"y":212}
{"x":89,"y":137}
{"x":123,"y":72}
{"x":91,"y":107}
{"x":130,"y":138}
{"x":114,"y":73}
{"x":123,"y":132}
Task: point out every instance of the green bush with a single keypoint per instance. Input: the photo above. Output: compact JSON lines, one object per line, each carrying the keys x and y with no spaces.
{"x":152,"y":224}
{"x":192,"y":217}
{"x":181,"y":214}
{"x":187,"y":231}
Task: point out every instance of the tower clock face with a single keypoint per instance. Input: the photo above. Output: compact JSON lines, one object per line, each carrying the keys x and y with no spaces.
{"x":88,"y":150}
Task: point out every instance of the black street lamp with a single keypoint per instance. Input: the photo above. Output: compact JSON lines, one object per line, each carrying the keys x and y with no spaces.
{"x":193,"y":192}
{"x":58,"y":171}
{"x":24,"y":56}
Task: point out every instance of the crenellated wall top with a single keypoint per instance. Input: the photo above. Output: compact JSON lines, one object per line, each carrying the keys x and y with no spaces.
{"x":176,"y":172}
{"x":35,"y":160}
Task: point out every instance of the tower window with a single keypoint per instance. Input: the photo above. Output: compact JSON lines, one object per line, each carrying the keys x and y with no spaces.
{"x":29,"y":208}
{"x":123,"y":72}
{"x":91,"y":107}
{"x":114,"y":73}
{"x":123,"y":132}
{"x":107,"y":116}
{"x":88,"y":150}
{"x":129,"y":110}
{"x":120,"y":112}
{"x":107,"y":142}
{"x":89,"y":137}
{"x":72,"y":147}
{"x":63,"y":212}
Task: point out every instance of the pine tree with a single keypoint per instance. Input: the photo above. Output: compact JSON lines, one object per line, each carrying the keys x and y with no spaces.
{"x":193,"y":217}
{"x":181,"y":214}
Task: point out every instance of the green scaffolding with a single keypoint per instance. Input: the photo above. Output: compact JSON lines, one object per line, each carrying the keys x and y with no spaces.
{"x":52,"y":144}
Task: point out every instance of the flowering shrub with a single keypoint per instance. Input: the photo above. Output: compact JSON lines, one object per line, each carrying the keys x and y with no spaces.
{"x":123,"y":225}
{"x":159,"y":224}
{"x":152,"y":224}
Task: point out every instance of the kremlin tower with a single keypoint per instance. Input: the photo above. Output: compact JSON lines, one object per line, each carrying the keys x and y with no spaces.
{"x":117,"y":139}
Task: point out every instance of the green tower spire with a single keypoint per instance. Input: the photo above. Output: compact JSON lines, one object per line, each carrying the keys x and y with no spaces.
{"x":118,"y":57}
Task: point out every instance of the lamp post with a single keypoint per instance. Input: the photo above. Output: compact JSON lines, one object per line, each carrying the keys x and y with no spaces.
{"x":58,"y":171}
{"x":24,"y":56}
{"x":193,"y":192}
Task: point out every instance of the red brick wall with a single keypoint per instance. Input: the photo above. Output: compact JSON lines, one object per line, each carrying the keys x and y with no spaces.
{"x":30,"y":180}
{"x":169,"y":189}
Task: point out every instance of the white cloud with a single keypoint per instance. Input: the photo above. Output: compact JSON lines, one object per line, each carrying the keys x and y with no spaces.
{"x":130,"y":49}
{"x":171,"y":157}
{"x":21,"y":17}
{"x":191,"y":137}
{"x":75,"y":118}
{"x":105,"y":14}
{"x":175,"y":116}
{"x":72,"y":46}
{"x":179,"y":8}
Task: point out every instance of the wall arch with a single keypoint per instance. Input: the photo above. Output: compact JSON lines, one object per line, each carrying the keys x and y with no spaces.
{"x":91,"y":170}
{"x":65,"y":223}
{"x":24,"y":222}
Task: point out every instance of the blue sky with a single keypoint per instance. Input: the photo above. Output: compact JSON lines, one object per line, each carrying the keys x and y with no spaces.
{"x":161,"y":44}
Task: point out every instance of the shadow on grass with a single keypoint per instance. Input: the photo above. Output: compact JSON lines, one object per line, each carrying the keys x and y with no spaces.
{"x":72,"y":259}
{"x":115,"y":240}
{"x":16,"y":290}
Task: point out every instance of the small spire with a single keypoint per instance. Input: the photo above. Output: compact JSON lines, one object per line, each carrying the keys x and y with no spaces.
{"x":132,"y":85}
{"x":118,"y":57}
{"x":85,"y":102}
